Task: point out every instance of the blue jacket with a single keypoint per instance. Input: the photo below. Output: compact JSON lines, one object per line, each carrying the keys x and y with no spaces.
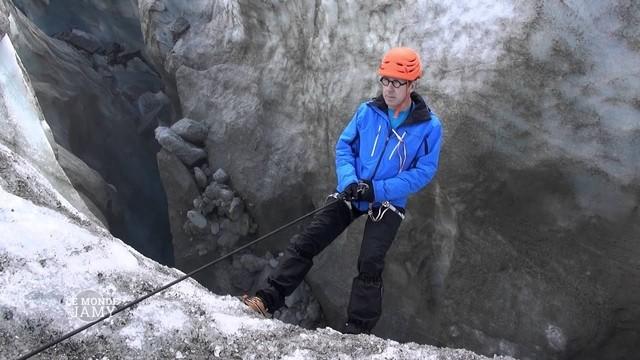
{"x":399,"y":161}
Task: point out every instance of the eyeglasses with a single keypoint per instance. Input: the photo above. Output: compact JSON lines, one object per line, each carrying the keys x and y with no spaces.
{"x":396,"y":83}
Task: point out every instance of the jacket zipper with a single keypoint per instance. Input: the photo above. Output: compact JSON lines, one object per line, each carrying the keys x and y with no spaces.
{"x":375,"y":170}
{"x":375,"y":143}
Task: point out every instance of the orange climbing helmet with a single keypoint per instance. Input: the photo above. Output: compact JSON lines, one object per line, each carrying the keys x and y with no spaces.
{"x":401,"y":63}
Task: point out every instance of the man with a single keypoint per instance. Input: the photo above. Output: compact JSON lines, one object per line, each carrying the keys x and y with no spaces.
{"x":389,"y":150}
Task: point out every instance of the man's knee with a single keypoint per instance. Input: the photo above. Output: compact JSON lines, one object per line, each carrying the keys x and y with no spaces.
{"x":370,"y":278}
{"x":371,"y":267}
{"x":303,"y":246}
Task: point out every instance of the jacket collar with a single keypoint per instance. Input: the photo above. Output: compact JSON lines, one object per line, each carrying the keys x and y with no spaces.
{"x":420,"y":113}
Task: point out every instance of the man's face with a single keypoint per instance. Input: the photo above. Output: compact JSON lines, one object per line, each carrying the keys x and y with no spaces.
{"x":395,"y":96}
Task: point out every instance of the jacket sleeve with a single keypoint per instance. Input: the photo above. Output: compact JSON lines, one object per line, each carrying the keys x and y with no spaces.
{"x":414,"y":179}
{"x":345,"y":152}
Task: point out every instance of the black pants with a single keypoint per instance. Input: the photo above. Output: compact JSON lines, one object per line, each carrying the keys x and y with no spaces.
{"x":365,"y":304}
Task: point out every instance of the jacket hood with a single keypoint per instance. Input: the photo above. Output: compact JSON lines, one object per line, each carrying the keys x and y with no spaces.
{"x":420,"y":113}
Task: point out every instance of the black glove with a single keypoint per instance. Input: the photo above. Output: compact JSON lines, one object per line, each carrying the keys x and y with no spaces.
{"x":351,"y":192}
{"x":365,"y":191}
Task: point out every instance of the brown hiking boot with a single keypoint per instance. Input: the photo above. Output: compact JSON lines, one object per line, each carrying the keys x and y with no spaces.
{"x":256,"y":304}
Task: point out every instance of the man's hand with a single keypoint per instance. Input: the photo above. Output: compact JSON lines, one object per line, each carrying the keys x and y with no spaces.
{"x":351,"y":192}
{"x":365,"y":191}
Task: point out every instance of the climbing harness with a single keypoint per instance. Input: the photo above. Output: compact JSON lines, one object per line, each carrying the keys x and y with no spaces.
{"x":386,"y":206}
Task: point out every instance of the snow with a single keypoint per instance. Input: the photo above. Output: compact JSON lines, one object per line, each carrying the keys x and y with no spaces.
{"x":486,"y":17}
{"x":465,"y":39}
{"x":168,"y":319}
{"x":556,"y":338}
{"x":134,"y":333}
{"x":228,"y":324}
{"x":298,"y":355}
{"x":38,"y":241}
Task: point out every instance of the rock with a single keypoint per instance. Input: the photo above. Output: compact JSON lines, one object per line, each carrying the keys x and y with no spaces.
{"x":198,"y":203}
{"x":185,"y":151}
{"x":244,"y":224}
{"x":286,"y":316}
{"x":92,"y":185}
{"x":81,"y":40}
{"x":253,"y":263}
{"x":235,"y":209}
{"x":112,"y":50}
{"x":239,"y":226}
{"x":132,"y":93}
{"x":201,"y":178}
{"x":181,"y":190}
{"x":187,"y":231}
{"x":208,"y":207}
{"x":241,"y":280}
{"x":197,"y":239}
{"x":297,"y":304}
{"x":157,"y":6}
{"x":197,"y":219}
{"x":235,"y":262}
{"x":206,"y":169}
{"x":225,"y":224}
{"x":126,"y":56}
{"x":223,"y":210}
{"x":191,"y":130}
{"x":228,"y":239}
{"x":211,"y":191}
{"x":179,"y":27}
{"x":225,"y":194}
{"x":100,"y":65}
{"x":313,"y":310}
{"x":215,"y":228}
{"x":107,"y":21}
{"x":155,"y":109}
{"x":220,"y":176}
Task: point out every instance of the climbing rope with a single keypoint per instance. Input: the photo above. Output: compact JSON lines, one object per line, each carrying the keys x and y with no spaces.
{"x":121,"y":308}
